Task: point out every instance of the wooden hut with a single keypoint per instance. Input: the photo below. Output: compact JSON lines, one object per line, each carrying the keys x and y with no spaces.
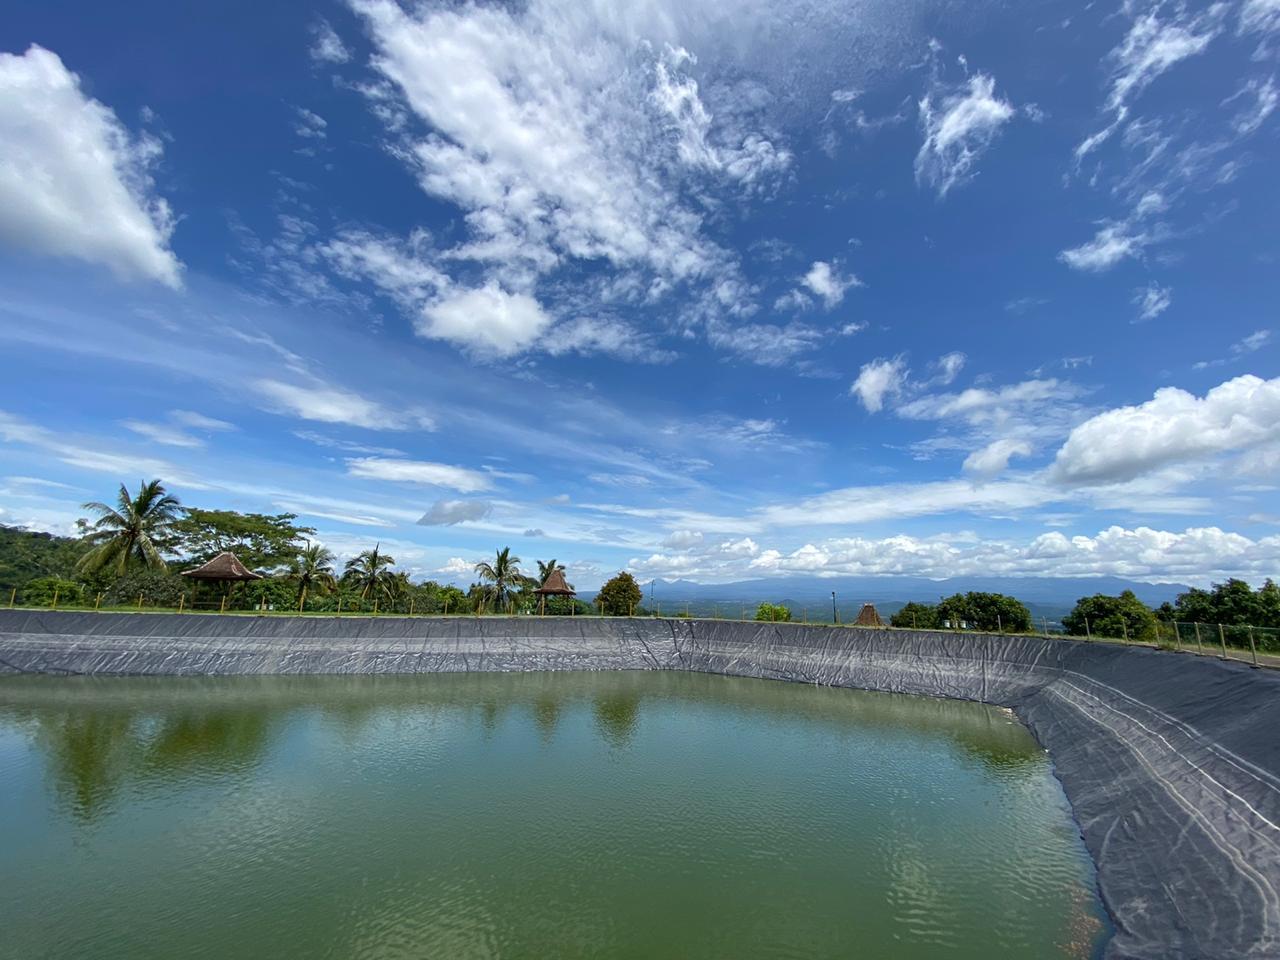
{"x":868,"y":616}
{"x":554,"y":587}
{"x":225,"y":568}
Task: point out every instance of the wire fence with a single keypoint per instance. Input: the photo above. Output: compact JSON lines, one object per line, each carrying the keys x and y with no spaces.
{"x":1256,"y":645}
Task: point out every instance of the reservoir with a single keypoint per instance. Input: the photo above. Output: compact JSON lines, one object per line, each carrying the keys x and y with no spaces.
{"x":613,"y":814}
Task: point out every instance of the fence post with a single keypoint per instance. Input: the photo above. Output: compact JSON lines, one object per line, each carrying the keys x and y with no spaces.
{"x":411,"y":606}
{"x":97,"y":602}
{"x":1222,"y":638}
{"x":1177,"y":637}
{"x":1199,"y":645}
{"x":1087,"y":634}
{"x":13,"y":595}
{"x":1252,"y":647}
{"x":54,"y":605}
{"x":375,"y":606}
{"x":222,"y":607}
{"x":139,"y":601}
{"x":999,"y":624}
{"x":182,"y":601}
{"x":446,"y":606}
{"x":1124,"y":628}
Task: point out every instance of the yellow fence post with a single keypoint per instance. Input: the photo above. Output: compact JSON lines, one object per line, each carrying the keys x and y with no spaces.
{"x":1199,"y":645}
{"x":182,"y":601}
{"x":411,"y":606}
{"x":54,"y":605}
{"x":1222,"y":638}
{"x":375,"y":606}
{"x":139,"y":601}
{"x":446,"y":606}
{"x":222,"y":607}
{"x":97,"y":601}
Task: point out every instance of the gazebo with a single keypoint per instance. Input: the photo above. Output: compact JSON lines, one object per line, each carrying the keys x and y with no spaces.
{"x":224,"y":568}
{"x":868,"y":616}
{"x":554,"y":587}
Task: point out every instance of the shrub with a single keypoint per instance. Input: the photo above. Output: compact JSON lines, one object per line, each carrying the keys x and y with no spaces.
{"x":773,"y":613}
{"x":1116,"y":617}
{"x":41,"y":592}
{"x":620,"y":596}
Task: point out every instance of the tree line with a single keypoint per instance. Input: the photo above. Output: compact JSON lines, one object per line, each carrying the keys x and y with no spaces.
{"x":134,"y":549}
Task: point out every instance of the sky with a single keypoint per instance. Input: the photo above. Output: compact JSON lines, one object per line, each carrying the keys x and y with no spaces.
{"x":707,"y":289}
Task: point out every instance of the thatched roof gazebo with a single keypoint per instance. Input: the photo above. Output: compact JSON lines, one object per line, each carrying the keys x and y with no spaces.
{"x":554,"y":587}
{"x":868,"y":616}
{"x":224,"y":568}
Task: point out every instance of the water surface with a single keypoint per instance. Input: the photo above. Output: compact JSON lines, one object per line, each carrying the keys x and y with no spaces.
{"x":591,"y":815}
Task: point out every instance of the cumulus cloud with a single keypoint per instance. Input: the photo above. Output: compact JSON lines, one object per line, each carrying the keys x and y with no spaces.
{"x":1152,"y":300}
{"x":1173,"y":427}
{"x":325,"y":403}
{"x":682,"y":539}
{"x":74,"y":182}
{"x":457,"y":567}
{"x":824,"y":281}
{"x":448,"y":513}
{"x":959,"y":124}
{"x":994,"y":457}
{"x":877,"y":380}
{"x":485,"y":320}
{"x":948,"y":367}
{"x":1112,"y":243}
{"x":421,"y":472}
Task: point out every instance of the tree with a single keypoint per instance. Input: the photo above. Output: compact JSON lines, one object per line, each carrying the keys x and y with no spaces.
{"x":312,"y":569}
{"x":774,"y":612}
{"x":1233,"y":603}
{"x":261,"y":541}
{"x":368,"y":570}
{"x":43,"y":591}
{"x":546,"y":569}
{"x":501,"y":578}
{"x":138,"y":530}
{"x":1104,"y":616}
{"x":986,"y":611}
{"x":919,"y":616}
{"x":620,"y":596}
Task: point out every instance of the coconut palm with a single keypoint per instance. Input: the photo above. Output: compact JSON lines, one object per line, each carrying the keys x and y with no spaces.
{"x":136,"y":530}
{"x":369,"y":570}
{"x":546,"y":569}
{"x":312,"y":569}
{"x":503,"y":576}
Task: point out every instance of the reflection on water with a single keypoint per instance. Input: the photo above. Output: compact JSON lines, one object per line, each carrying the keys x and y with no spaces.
{"x":529,"y":815}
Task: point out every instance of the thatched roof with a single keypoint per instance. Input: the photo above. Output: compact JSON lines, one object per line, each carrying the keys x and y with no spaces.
{"x":868,"y":616}
{"x":556,"y":586}
{"x":225,"y":566}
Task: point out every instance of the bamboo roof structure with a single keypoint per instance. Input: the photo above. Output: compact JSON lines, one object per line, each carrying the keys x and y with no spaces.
{"x":868,"y":616}
{"x":556,"y":586}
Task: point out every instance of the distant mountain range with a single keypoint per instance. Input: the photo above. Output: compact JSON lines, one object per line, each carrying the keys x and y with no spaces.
{"x":1050,"y":597}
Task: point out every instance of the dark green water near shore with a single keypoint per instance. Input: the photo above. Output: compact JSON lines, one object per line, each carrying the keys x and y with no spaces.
{"x":591,"y":815}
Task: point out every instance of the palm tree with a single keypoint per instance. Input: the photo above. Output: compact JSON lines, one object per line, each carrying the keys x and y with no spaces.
{"x":503,"y":576}
{"x":369,"y":569}
{"x":312,"y":568}
{"x":136,"y":529}
{"x":546,"y":569}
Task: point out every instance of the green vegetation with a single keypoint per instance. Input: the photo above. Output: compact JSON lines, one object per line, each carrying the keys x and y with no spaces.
{"x":261,"y":542}
{"x":137,"y":531}
{"x":917,"y":616}
{"x":773,"y":612}
{"x":620,"y":596}
{"x":1233,"y":603}
{"x":1124,"y":616}
{"x":993,"y":612}
{"x":501,"y":579}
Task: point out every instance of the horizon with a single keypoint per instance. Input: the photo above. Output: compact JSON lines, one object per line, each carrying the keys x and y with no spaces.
{"x":701,"y":292}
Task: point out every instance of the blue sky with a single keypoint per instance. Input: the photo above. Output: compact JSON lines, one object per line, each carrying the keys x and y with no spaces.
{"x":705,"y":290}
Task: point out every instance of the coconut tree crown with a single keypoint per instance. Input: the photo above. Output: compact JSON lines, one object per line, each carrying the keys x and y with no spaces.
{"x":137,"y":530}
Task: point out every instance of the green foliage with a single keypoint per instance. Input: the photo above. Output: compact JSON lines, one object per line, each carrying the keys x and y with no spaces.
{"x":368,"y":572}
{"x":311,"y":571}
{"x":774,"y":613}
{"x":920,"y":616}
{"x":270,"y":593}
{"x":42,"y":591}
{"x":1233,"y":603}
{"x":27,"y":556}
{"x":546,"y":569}
{"x":137,"y":531}
{"x":158,"y":588}
{"x":1103,"y":616}
{"x":620,"y":596}
{"x":985,"y":611}
{"x":260,"y":541}
{"x":566,"y":606}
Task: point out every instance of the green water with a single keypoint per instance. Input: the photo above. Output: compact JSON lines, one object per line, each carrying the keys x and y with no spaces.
{"x":594,"y":815}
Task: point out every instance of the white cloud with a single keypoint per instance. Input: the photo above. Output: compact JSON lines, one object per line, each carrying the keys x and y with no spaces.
{"x":682,"y":539}
{"x":877,"y":380}
{"x":310,"y":125}
{"x":1261,"y":16}
{"x":324,"y":403}
{"x":198,"y":421}
{"x":825,"y":281}
{"x":162,"y":433}
{"x":1112,"y":243}
{"x":1260,"y":97}
{"x":457,"y":567}
{"x":485,"y":321}
{"x":73,"y":181}
{"x":327,"y":46}
{"x":1173,"y":427}
{"x":949,"y":366}
{"x":1152,"y":300}
{"x":448,"y":513}
{"x":1195,"y":555}
{"x":1241,"y":348}
{"x":959,"y":124}
{"x":994,"y":457}
{"x":421,"y":472}
{"x":984,"y":405}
